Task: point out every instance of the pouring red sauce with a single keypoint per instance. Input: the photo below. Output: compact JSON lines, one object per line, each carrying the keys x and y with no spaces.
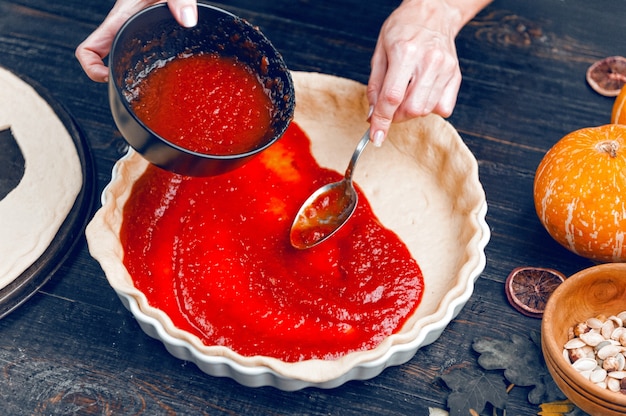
{"x":214,"y":254}
{"x":205,"y":103}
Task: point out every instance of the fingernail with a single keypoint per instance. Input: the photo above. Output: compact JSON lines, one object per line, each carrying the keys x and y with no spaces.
{"x":369,"y":113}
{"x":378,"y":138}
{"x":188,"y":16}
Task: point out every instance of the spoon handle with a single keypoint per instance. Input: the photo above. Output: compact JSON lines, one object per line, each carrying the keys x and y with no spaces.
{"x":357,"y":153}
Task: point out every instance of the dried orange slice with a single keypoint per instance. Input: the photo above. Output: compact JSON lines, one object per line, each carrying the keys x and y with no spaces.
{"x":528,"y":289}
{"x":607,"y":76}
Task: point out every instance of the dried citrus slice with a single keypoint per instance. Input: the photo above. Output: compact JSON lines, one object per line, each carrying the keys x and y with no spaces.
{"x":528,"y":289}
{"x":607,"y":76}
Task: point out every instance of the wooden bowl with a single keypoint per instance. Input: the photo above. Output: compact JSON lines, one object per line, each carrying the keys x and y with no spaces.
{"x":588,"y":293}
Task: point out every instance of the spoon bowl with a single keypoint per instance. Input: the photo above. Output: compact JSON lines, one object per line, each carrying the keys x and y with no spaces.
{"x":328,"y":208}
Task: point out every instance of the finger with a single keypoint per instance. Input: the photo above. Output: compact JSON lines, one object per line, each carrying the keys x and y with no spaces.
{"x":95,"y":69}
{"x":184,"y":11}
{"x":428,"y":85}
{"x":390,"y":98}
{"x":443,"y":95}
{"x":377,"y":77}
{"x":446,"y":104}
{"x":420,"y":97}
{"x":91,"y":53}
{"x":434,"y":90}
{"x":430,"y":100}
{"x":396,"y":78}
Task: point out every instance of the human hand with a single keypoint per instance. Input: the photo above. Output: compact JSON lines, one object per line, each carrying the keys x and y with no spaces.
{"x":92,"y":51}
{"x":415,"y":68}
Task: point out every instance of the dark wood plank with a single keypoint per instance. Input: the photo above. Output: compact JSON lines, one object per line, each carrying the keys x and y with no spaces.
{"x":73,"y":348}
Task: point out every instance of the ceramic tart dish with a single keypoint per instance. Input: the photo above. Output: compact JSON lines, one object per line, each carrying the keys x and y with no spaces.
{"x":422,"y":184}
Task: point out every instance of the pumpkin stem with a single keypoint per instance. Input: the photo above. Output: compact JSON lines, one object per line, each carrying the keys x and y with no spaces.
{"x":608,"y":146}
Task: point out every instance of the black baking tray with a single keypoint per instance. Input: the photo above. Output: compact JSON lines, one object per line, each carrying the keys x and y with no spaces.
{"x":72,"y":229}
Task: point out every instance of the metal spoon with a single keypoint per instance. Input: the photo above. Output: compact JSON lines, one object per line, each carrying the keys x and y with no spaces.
{"x":328,"y":208}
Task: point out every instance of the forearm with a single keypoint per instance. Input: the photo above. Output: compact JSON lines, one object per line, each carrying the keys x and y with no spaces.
{"x":468,"y":9}
{"x":457,"y":12}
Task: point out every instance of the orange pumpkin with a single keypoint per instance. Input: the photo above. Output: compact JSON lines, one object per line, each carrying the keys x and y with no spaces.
{"x":618,"y":115}
{"x":580,"y":192}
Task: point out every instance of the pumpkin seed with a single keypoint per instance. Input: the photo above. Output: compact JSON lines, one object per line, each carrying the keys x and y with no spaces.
{"x":597,"y":350}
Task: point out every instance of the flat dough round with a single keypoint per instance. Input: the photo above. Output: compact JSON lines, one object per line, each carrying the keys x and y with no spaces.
{"x":32,"y":213}
{"x":422,"y":184}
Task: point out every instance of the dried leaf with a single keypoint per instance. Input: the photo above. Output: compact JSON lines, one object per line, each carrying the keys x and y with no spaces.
{"x":518,"y":357}
{"x":546,"y":391}
{"x":560,"y":408}
{"x":557,"y":408}
{"x":523,"y":364}
{"x":473,"y":389}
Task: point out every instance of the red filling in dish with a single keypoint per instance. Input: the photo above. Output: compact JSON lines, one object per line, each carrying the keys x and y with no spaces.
{"x":214,"y":254}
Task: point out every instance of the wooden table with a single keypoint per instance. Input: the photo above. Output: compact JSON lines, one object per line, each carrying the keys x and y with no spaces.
{"x":74,"y":348}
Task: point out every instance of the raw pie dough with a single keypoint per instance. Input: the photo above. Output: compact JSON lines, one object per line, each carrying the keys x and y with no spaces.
{"x":32,"y":213}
